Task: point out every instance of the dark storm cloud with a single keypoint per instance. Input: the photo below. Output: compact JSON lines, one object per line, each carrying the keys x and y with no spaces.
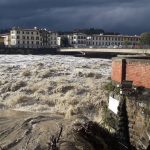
{"x":126,"y":16}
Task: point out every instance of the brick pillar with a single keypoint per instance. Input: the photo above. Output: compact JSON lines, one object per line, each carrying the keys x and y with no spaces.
{"x":119,"y":70}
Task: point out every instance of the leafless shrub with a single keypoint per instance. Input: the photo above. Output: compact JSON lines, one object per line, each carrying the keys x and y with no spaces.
{"x":54,"y":140}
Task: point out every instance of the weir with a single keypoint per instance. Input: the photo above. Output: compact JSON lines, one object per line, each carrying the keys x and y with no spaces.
{"x":84,"y":52}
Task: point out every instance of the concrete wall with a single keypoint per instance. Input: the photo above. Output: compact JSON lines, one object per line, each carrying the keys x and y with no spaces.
{"x":106,"y":50}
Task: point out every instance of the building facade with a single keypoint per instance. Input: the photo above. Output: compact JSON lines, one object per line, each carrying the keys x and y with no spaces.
{"x":103,"y":41}
{"x":31,"y":38}
{"x":1,"y":41}
{"x":25,"y":38}
{"x":6,"y":39}
{"x":113,"y":41}
{"x":77,"y":40}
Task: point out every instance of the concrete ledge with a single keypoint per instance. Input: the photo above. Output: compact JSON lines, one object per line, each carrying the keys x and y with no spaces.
{"x":106,"y":50}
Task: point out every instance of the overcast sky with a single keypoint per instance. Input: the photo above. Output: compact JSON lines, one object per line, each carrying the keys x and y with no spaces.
{"x":124,"y":16}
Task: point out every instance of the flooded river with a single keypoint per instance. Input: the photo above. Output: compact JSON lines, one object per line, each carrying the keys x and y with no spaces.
{"x":40,"y":94}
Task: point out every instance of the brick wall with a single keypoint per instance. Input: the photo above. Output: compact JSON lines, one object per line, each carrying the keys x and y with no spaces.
{"x":136,"y":70}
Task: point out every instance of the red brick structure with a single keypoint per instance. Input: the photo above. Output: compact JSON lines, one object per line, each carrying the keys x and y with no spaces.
{"x":132,"y":68}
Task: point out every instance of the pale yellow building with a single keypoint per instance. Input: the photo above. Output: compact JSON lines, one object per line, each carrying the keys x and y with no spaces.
{"x":1,"y":41}
{"x":31,"y":38}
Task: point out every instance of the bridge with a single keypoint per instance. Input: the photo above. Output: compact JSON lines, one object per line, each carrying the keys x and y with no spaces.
{"x":102,"y":51}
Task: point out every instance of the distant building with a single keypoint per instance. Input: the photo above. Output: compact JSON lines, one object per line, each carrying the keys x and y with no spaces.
{"x":6,"y":38}
{"x":1,"y":41}
{"x":77,"y":40}
{"x":112,"y":41}
{"x":103,"y":41}
{"x":31,"y":38}
{"x":54,"y":39}
{"x":59,"y":41}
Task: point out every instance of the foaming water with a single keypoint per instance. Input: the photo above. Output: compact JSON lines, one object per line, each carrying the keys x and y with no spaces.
{"x":57,"y":84}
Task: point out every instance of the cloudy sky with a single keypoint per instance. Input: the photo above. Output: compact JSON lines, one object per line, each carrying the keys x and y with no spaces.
{"x":124,"y":16}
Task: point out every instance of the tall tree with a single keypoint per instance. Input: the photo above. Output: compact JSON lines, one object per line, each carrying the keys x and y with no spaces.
{"x":145,"y":39}
{"x":64,"y":42}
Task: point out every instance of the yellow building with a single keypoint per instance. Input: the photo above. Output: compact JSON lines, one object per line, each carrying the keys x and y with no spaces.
{"x":1,"y":41}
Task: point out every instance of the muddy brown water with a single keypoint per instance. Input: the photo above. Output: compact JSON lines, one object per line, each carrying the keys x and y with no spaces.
{"x":26,"y":130}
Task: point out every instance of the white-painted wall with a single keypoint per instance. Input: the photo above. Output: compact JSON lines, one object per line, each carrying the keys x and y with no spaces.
{"x":113,"y":104}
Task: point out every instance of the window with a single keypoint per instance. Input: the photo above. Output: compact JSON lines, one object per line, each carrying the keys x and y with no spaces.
{"x":13,"y":37}
{"x":18,"y":32}
{"x":28,"y":37}
{"x":32,"y":38}
{"x":18,"y":37}
{"x":37,"y":38}
{"x":23,"y":37}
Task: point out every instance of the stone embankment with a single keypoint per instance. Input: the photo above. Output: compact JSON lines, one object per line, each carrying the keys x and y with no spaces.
{"x":139,"y":121}
{"x":26,"y":51}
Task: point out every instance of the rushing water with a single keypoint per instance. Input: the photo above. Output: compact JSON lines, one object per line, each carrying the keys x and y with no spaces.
{"x":56,"y":84}
{"x":38,"y":93}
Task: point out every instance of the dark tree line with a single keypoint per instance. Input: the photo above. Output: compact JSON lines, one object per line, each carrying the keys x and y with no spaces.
{"x":2,"y":31}
{"x":145,"y":39}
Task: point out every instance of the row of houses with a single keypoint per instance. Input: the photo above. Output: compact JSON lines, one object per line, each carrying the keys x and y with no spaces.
{"x":30,"y":38}
{"x":102,"y":41}
{"x":42,"y":38}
